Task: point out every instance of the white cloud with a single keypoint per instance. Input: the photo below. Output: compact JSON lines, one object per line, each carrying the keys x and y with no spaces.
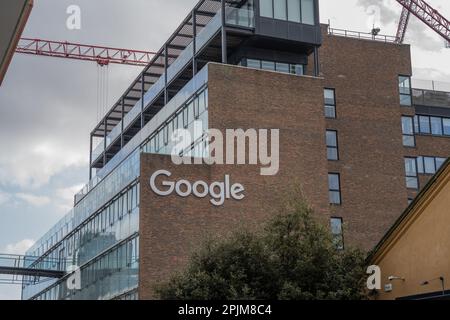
{"x":4,"y":197}
{"x":34,"y":200}
{"x":18,"y":248}
{"x":33,"y":167}
{"x":66,"y":195}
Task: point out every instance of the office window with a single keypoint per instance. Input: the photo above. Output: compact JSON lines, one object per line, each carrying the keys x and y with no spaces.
{"x":334,"y":188}
{"x":282,"y":67}
{"x":266,"y":9}
{"x":268,"y":65}
{"x":332,"y":145}
{"x":308,"y":12}
{"x":337,"y":232}
{"x":280,"y":10}
{"x":408,"y":132}
{"x":436,"y":125}
{"x":405,"y":90}
{"x":412,"y":181}
{"x":446,"y":125}
{"x":297,"y":69}
{"x":429,"y":165}
{"x":294,"y":10}
{"x":330,"y":103}
{"x":424,"y":124}
{"x":253,"y":63}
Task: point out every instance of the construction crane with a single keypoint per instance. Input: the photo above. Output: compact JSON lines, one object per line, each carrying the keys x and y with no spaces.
{"x":427,"y":14}
{"x":102,"y":55}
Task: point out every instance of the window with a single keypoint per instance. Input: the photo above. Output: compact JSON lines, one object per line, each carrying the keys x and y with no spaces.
{"x":266,"y":8}
{"x":308,"y":11}
{"x":436,"y":126}
{"x":334,"y":188}
{"x":429,"y":165}
{"x":412,"y":181}
{"x":337,"y":232}
{"x":446,"y":125}
{"x":268,"y":65}
{"x":253,"y":63}
{"x":424,"y":124}
{"x":280,"y":10}
{"x":300,"y":11}
{"x":332,"y":145}
{"x":294,"y":10}
{"x":405,"y":90}
{"x":283,"y":67}
{"x":408,"y":132}
{"x":330,"y":103}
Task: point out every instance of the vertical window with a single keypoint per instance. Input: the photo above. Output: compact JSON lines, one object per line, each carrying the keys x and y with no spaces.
{"x":440,"y":162}
{"x":334,"y":188}
{"x":266,"y":9}
{"x":424,"y":124}
{"x":412,"y":181}
{"x":405,"y":90}
{"x":330,"y":103}
{"x":446,"y":125}
{"x":308,"y":12}
{"x":280,"y":10}
{"x":408,"y":132}
{"x":436,"y":126}
{"x":420,"y":168}
{"x":332,"y":145}
{"x":337,"y":231}
{"x":429,"y":165}
{"x":294,"y":10}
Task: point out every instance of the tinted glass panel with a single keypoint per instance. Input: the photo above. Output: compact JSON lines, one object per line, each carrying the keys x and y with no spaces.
{"x":436,"y":126}
{"x":294,"y":10}
{"x":280,"y":9}
{"x":266,"y":8}
{"x":308,"y":11}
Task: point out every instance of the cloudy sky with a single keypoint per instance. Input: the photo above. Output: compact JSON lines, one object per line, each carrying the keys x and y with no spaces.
{"x":48,"y":106}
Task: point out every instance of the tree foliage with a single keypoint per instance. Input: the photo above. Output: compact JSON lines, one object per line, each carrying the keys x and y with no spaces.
{"x":293,"y":257}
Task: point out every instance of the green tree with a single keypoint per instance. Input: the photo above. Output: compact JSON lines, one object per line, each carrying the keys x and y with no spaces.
{"x":293,"y":257}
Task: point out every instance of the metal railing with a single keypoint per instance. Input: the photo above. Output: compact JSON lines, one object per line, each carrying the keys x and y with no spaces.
{"x":361,"y":35}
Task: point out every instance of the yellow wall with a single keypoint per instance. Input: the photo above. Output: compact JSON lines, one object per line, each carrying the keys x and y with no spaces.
{"x":419,"y":248}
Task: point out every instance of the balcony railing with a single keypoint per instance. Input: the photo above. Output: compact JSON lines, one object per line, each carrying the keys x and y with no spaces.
{"x":234,"y":17}
{"x":361,"y":35}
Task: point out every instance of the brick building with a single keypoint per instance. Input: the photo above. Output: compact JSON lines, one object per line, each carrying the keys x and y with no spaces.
{"x":354,"y":135}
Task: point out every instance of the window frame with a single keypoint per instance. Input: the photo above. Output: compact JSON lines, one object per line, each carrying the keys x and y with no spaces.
{"x":340,"y":234}
{"x":336,"y":147}
{"x":334,"y":106}
{"x":401,"y":94}
{"x":339,"y":190}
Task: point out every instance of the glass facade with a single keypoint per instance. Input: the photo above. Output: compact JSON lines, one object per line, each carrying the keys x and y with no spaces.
{"x":300,"y":11}
{"x":282,"y":67}
{"x":101,"y":236}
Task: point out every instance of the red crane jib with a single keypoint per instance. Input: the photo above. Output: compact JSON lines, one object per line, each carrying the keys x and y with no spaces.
{"x":102,"y":55}
{"x":427,"y":14}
